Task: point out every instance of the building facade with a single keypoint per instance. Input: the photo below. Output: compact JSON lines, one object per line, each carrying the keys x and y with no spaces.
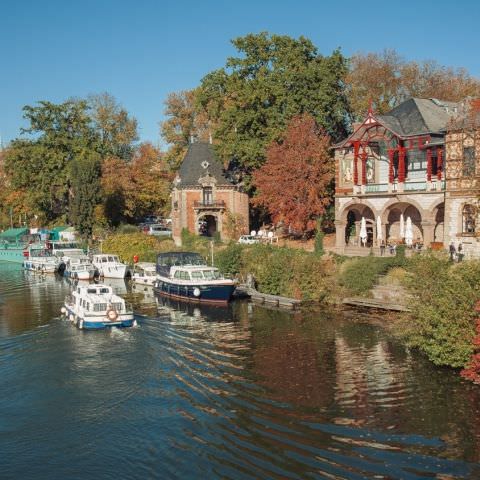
{"x":390,"y":169}
{"x":205,"y":200}
{"x":462,"y":145}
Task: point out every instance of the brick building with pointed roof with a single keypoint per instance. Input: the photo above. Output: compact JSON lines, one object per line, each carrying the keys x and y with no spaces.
{"x":204,"y":196}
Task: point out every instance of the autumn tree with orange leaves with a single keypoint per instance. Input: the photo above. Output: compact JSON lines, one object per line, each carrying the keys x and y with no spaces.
{"x":295,"y":183}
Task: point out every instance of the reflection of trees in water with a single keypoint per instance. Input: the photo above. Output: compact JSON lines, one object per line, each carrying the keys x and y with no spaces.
{"x":293,"y":356}
{"x":29,"y":299}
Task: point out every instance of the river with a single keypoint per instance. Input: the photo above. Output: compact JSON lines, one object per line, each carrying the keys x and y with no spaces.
{"x":221,"y":393}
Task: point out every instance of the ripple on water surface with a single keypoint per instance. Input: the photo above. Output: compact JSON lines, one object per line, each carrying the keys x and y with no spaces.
{"x":220,"y":393}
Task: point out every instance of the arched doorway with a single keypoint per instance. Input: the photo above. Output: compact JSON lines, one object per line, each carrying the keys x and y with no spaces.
{"x":353,"y":221}
{"x":207,"y":225}
{"x":394,"y":220}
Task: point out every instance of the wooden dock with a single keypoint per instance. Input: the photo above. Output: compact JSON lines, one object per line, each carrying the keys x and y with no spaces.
{"x":266,"y":299}
{"x":375,"y":303}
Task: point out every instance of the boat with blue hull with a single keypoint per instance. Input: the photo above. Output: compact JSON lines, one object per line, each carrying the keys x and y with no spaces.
{"x":185,"y":276}
{"x":95,"y":307}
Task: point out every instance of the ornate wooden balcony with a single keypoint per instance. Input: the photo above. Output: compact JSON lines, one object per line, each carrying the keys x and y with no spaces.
{"x":209,"y":205}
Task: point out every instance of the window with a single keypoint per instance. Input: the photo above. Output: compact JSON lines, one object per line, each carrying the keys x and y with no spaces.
{"x":207,"y":195}
{"x":416,"y":160}
{"x":197,"y":275}
{"x":468,"y":161}
{"x":468,"y":219}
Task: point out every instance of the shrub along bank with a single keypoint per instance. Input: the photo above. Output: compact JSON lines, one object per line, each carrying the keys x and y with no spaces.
{"x":442,"y":319}
{"x":280,"y":270}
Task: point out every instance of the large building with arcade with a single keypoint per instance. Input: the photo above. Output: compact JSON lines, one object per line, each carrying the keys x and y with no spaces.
{"x":417,"y":162}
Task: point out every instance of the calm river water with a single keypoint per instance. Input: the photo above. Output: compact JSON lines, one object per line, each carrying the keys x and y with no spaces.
{"x":209,"y":393}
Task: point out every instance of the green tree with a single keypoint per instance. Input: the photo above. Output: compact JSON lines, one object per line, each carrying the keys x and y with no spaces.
{"x":255,"y":96}
{"x":185,"y":119}
{"x":40,"y":166}
{"x":86,"y":171}
{"x":116,"y":129}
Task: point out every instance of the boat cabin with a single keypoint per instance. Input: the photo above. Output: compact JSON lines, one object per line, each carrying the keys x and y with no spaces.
{"x":98,"y":298}
{"x":170,"y":259}
{"x":197,"y":273}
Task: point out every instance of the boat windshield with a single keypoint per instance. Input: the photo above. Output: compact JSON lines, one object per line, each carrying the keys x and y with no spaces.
{"x":211,"y":274}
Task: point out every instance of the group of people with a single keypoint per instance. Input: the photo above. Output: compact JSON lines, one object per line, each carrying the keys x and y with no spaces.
{"x":456,"y":254}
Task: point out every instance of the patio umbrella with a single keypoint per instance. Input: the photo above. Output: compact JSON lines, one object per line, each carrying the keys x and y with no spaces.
{"x":379,"y":229}
{"x":409,"y":232}
{"x":402,"y":226}
{"x":363,"y":231}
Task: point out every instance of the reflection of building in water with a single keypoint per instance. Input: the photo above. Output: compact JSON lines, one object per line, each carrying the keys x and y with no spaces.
{"x":364,"y":374}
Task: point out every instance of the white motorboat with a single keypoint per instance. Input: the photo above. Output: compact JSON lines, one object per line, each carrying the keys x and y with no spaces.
{"x":79,"y":268}
{"x":39,"y":259}
{"x":109,"y":266}
{"x":64,"y":251}
{"x":96,"y":306}
{"x":144,"y":273}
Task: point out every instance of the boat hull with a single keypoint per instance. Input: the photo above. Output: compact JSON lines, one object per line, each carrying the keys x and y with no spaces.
{"x":39,"y":267}
{"x":113,"y":272}
{"x":99,"y":323}
{"x":219,"y":293}
{"x":12,"y":254}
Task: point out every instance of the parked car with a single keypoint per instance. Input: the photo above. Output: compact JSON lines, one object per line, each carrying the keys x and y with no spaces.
{"x":248,"y":239}
{"x":158,"y":230}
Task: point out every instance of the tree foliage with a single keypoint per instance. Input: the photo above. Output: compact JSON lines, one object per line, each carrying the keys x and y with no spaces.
{"x":40,"y":167}
{"x":185,"y":119}
{"x":85,"y":191}
{"x":386,"y":79}
{"x":248,"y":103}
{"x":295,"y":183}
{"x":276,"y":77}
{"x":116,"y":129}
{"x":134,"y":189}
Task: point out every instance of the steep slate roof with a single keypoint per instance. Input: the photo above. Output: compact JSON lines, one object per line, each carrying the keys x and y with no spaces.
{"x":191,"y":168}
{"x":418,"y":116}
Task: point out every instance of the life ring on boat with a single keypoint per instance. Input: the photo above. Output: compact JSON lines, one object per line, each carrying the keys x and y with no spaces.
{"x":112,"y":315}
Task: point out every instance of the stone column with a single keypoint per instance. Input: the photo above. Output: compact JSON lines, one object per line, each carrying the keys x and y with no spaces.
{"x":428,"y":230}
{"x":340,"y":234}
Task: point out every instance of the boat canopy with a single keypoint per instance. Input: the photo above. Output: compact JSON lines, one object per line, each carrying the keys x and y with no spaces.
{"x":13,"y":234}
{"x":171,"y":259}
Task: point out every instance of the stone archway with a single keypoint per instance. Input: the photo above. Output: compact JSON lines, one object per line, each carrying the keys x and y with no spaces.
{"x":208,"y":225}
{"x":353,"y":215}
{"x":392,"y":218}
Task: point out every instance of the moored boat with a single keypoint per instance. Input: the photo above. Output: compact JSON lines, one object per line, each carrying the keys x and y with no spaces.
{"x":96,"y":306}
{"x":14,"y":242}
{"x":39,"y":259}
{"x":109,"y":266}
{"x":184,"y":275}
{"x":79,"y":268}
{"x":144,"y":273}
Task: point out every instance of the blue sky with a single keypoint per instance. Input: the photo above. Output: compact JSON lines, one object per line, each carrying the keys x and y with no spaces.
{"x":141,"y":50}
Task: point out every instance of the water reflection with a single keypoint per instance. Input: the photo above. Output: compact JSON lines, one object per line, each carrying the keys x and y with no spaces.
{"x":238,"y":392}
